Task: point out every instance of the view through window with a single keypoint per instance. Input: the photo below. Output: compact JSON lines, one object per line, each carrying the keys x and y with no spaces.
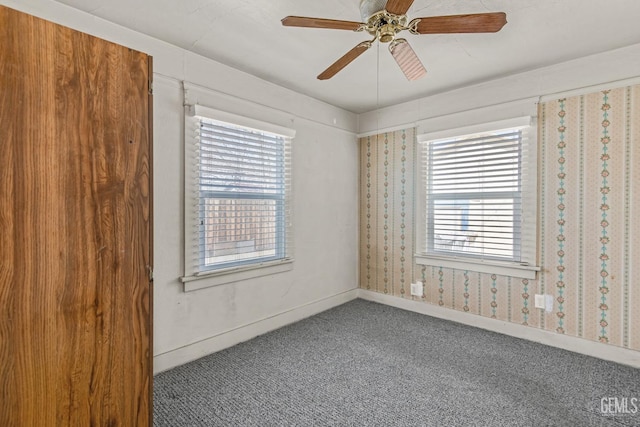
{"x":242,"y":195}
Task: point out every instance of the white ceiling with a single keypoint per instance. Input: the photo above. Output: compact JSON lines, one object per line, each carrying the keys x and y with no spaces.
{"x":248,"y":35}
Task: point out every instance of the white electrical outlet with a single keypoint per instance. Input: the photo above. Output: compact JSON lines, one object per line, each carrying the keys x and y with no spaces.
{"x":417,"y":289}
{"x":544,"y":302}
{"x":548,"y":305}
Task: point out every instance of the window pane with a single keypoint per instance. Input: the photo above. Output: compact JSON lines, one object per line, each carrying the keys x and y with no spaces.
{"x":481,"y":227}
{"x":242,"y":179}
{"x":476,"y":164}
{"x":473,"y":193}
{"x":241,"y":230}
{"x":234,"y":160}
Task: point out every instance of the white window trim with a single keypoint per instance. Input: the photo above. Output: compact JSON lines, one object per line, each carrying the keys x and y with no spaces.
{"x":193,"y":279}
{"x":223,"y":116}
{"x":235,"y":274}
{"x":525,"y":269}
{"x":478,"y":128}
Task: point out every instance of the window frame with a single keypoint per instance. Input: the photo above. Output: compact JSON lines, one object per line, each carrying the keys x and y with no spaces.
{"x":426,"y":254}
{"x":194,"y":266}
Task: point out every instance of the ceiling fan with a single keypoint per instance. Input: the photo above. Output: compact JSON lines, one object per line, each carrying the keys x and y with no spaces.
{"x":386,"y":18}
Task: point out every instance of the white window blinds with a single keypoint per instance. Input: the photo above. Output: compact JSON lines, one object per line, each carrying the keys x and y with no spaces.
{"x":474,"y":195}
{"x":478,"y":196}
{"x":242,"y":183}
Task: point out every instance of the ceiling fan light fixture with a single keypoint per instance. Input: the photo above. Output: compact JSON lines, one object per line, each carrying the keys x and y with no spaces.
{"x":387,"y":33}
{"x":368,"y":8}
{"x":407,"y":59}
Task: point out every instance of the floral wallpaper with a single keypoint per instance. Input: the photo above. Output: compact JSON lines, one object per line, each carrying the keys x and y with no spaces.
{"x":386,"y":210}
{"x":589,"y":242}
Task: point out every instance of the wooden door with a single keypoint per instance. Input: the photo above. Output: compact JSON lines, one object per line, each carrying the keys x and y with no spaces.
{"x":75,"y":224}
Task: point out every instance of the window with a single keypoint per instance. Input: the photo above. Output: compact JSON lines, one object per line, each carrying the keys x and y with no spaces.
{"x":474,"y":190}
{"x":240,"y":185}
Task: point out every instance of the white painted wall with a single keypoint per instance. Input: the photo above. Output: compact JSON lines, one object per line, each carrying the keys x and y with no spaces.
{"x":189,"y":325}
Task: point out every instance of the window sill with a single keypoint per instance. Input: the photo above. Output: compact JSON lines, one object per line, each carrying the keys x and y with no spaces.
{"x":234,"y":274}
{"x":480,"y":266}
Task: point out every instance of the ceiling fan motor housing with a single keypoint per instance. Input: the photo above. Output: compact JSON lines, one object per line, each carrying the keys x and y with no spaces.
{"x":380,"y":23}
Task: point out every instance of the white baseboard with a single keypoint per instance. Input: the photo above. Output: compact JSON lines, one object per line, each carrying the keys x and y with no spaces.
{"x":612,"y":353}
{"x":229,"y":338}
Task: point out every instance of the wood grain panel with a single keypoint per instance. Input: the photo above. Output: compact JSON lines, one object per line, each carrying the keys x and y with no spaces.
{"x":75,"y":215}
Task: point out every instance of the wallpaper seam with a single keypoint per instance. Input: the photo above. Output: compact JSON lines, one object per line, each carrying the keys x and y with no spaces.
{"x":543,"y":194}
{"x":627,"y":226}
{"x":402,"y":213}
{"x":581,"y":143}
{"x":368,"y":170}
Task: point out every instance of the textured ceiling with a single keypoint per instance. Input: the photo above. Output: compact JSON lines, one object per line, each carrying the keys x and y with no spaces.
{"x":248,"y":35}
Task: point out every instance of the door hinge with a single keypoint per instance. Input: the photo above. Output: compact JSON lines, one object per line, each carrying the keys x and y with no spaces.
{"x":150,"y":74}
{"x":150,"y":273}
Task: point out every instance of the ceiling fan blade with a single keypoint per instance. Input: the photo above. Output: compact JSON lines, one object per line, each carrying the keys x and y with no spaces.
{"x":348,"y":58}
{"x":398,"y":7}
{"x":407,"y":59}
{"x":301,"y":21}
{"x":475,"y":23}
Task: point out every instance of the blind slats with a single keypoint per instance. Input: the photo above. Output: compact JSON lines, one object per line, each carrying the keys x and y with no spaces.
{"x":473,"y":195}
{"x":473,"y":140}
{"x":487,"y":164}
{"x":239,"y":133}
{"x":262,"y":153}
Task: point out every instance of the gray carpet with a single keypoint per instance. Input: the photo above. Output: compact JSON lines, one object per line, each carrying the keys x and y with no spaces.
{"x":366,"y":364}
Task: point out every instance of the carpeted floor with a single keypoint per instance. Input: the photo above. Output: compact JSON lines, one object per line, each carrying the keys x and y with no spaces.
{"x":366,"y":364}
